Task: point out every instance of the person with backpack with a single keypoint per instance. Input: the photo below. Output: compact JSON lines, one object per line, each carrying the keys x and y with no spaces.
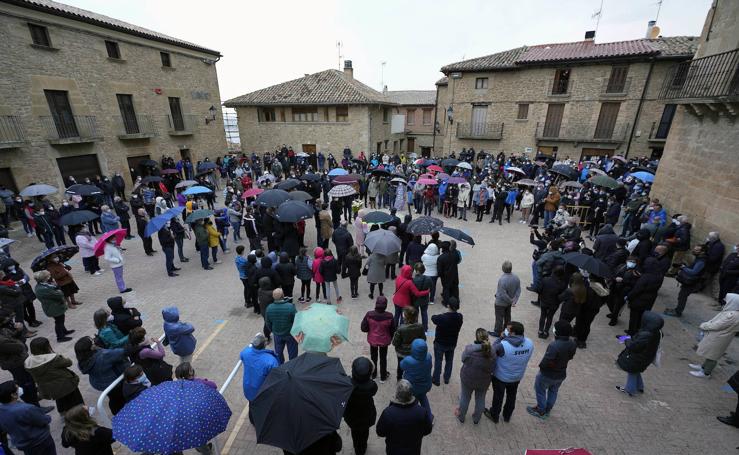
{"x":179,"y":335}
{"x":379,"y":325}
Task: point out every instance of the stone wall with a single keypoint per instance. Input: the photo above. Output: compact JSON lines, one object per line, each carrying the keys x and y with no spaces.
{"x":78,"y":63}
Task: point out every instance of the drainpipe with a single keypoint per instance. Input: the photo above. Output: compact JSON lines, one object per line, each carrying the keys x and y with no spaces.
{"x":638,"y":108}
{"x":436,"y":112}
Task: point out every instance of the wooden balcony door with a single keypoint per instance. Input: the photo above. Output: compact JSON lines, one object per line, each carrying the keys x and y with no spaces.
{"x":61,"y":113}
{"x":128,"y":114}
{"x":479,"y":118}
{"x":666,"y":121}
{"x":178,"y":123}
{"x":553,"y":121}
{"x":606,"y":120}
{"x":310,"y":149}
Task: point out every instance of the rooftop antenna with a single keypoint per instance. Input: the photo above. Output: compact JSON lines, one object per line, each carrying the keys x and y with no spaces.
{"x":339,"y":44}
{"x":597,"y":14}
{"x":382,"y":75}
{"x":659,"y":7}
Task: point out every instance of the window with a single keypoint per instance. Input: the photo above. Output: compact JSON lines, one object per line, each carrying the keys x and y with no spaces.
{"x":617,"y":81}
{"x":267,"y":114}
{"x":410,"y":117}
{"x":523,"y":112}
{"x":305,"y":114}
{"x":128,"y":114}
{"x":39,"y":35}
{"x":166,"y":60}
{"x":607,"y":120}
{"x":386,"y":142}
{"x":177,"y":123}
{"x":385,"y":115}
{"x":666,"y":121}
{"x":427,"y":116}
{"x":561,"y":82}
{"x":61,"y":113}
{"x":325,"y":114}
{"x":680,"y":75}
{"x":342,"y":113}
{"x":282,"y":115}
{"x":113,"y":50}
{"x":553,"y":121}
{"x":481,"y":82}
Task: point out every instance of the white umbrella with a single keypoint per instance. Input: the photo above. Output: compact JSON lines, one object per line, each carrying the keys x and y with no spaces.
{"x":516,"y":170}
{"x":465,"y":165}
{"x":302,"y":154}
{"x":341,"y":191}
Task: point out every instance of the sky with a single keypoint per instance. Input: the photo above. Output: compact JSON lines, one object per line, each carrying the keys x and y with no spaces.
{"x":267,"y":42}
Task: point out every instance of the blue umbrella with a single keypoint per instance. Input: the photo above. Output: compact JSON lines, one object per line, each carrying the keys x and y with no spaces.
{"x":205,"y":165}
{"x":158,"y":222}
{"x":171,"y":417}
{"x":643,"y":176}
{"x":196,"y":190}
{"x":337,"y":171}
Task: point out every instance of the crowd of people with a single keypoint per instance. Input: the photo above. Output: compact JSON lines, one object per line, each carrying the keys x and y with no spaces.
{"x":580,"y":264}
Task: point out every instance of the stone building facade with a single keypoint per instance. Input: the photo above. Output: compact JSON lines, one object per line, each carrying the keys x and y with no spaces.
{"x":569,"y":99}
{"x":699,"y":172}
{"x":417,"y":107}
{"x":87,"y":95}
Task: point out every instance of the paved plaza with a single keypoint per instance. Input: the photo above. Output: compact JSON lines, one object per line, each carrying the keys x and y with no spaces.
{"x":676,"y":414}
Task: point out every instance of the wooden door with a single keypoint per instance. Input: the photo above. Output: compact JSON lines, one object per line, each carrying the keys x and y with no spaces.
{"x":128,"y":114}
{"x":178,"y":124}
{"x":479,"y":118}
{"x":79,"y":167}
{"x":310,"y":149}
{"x":411,"y":144}
{"x":61,"y":113}
{"x":606,"y":120}
{"x":553,"y":121}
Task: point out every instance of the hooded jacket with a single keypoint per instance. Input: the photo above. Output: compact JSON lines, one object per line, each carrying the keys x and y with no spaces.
{"x":329,"y":269}
{"x":257,"y":365}
{"x":51,"y":298}
{"x":605,"y":242}
{"x":52,"y":375}
{"x":403,"y":425}
{"x":179,"y":334}
{"x":404,"y":337}
{"x":559,"y":353}
{"x":104,"y":367}
{"x":417,"y":368}
{"x":379,"y":325}
{"x":286,"y":271}
{"x":405,"y":289}
{"x":446,"y":267}
{"x":111,"y":337}
{"x":640,"y":350}
{"x":645,"y":290}
{"x":360,"y":409}
{"x":429,"y":259}
{"x":266,"y":271}
{"x":514,"y":353}
{"x":264,"y":294}
{"x":123,"y":317}
{"x":317,"y":259}
{"x":476,"y":367}
{"x":719,"y":331}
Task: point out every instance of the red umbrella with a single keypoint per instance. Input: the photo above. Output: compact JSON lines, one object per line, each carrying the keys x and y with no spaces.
{"x":252,"y":192}
{"x":435,"y":168}
{"x":427,"y":182}
{"x":344,"y":180}
{"x":119,"y":234}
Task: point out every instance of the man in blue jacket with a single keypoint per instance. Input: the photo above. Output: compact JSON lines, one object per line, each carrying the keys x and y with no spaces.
{"x":26,"y":424}
{"x":513,"y":351}
{"x":258,"y":362}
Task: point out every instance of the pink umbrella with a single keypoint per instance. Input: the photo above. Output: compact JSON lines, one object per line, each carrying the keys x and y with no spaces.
{"x":427,"y":182}
{"x":419,"y":161}
{"x":435,"y":168}
{"x":252,"y":192}
{"x":425,"y":176}
{"x":119,"y":234}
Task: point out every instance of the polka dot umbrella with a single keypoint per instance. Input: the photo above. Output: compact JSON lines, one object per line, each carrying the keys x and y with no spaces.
{"x":171,"y":417}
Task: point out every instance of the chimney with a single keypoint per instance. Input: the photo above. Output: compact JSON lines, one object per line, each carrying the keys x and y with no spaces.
{"x":348,"y":70}
{"x":384,"y":90}
{"x":652,"y":30}
{"x":590,"y":36}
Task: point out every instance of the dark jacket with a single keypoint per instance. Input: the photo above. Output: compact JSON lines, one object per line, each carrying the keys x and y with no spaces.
{"x":559,"y":352}
{"x":13,"y":349}
{"x":342,"y":240}
{"x":27,"y":425}
{"x":52,"y":375}
{"x":644,"y":292}
{"x":403,"y":426}
{"x":605,"y":242}
{"x":644,"y":248}
{"x":329,"y":269}
{"x":682,"y":237}
{"x":417,"y":367}
{"x":104,"y":367}
{"x":98,"y":444}
{"x":405,"y":335}
{"x":52,"y":299}
{"x":266,"y":271}
{"x":551,"y":288}
{"x":131,"y":390}
{"x":714,"y":256}
{"x":352,"y":266}
{"x":360,"y":409}
{"x":640,"y":350}
{"x":476,"y":367}
{"x":446,"y":267}
{"x":303,"y":268}
{"x":617,"y":257}
{"x":448,"y":326}
{"x":286,"y":271}
{"x":157,"y":370}
{"x":264,"y":294}
{"x":179,"y":334}
{"x":124,"y":318}
{"x":414,"y":252}
{"x":280,"y":316}
{"x":422,"y":283}
{"x":166,"y":240}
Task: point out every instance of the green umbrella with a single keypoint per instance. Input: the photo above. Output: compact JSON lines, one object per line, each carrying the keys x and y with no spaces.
{"x":603,"y":180}
{"x":318,"y":324}
{"x":198,"y":215}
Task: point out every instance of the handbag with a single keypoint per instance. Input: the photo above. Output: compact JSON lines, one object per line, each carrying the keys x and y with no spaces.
{"x":365,"y":270}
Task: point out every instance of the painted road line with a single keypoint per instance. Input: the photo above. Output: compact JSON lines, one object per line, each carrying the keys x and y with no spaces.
{"x":212,"y":337}
{"x":235,"y":431}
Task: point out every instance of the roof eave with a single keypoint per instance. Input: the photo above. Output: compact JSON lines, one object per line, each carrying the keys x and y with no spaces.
{"x":102,"y":24}
{"x":235,"y":104}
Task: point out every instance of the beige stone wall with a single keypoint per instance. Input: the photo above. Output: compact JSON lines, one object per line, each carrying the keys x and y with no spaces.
{"x":721,"y":29}
{"x":79,"y":64}
{"x":507,"y":89}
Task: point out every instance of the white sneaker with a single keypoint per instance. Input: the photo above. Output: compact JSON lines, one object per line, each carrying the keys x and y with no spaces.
{"x":97,"y":273}
{"x":700,"y":374}
{"x":101,"y":270}
{"x":30,"y":234}
{"x":431,"y":302}
{"x":695,"y":366}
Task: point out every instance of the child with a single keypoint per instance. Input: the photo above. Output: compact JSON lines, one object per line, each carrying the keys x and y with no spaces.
{"x":112,"y":254}
{"x":329,"y":270}
{"x":317,"y":277}
{"x":379,"y":325}
{"x":134,"y":382}
{"x":304,"y":272}
{"x":360,"y":412}
{"x":178,"y":334}
{"x":185,"y":371}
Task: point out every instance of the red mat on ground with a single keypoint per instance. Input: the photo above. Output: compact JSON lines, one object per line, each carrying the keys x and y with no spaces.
{"x":570,"y":451}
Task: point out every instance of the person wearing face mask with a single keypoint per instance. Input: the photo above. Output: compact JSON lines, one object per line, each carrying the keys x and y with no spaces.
{"x":729,"y":275}
{"x":134,"y":382}
{"x":553,"y":370}
{"x":27,"y":425}
{"x":551,"y":203}
{"x":124,"y":215}
{"x":690,"y":278}
{"x":714,"y":255}
{"x":44,"y":229}
{"x":14,"y":272}
{"x":167,"y":242}
{"x":57,"y":230}
{"x":625,"y":278}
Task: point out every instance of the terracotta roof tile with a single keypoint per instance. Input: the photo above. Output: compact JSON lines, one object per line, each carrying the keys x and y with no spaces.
{"x":501,"y":60}
{"x":412,"y":97}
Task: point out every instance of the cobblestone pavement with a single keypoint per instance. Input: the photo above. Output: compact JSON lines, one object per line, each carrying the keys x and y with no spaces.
{"x":676,"y":414}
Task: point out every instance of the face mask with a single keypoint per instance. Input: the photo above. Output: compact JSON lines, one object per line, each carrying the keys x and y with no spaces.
{"x":506,"y":333}
{"x":630,"y":264}
{"x":733,"y":249}
{"x":65,"y":204}
{"x":19,"y":391}
{"x":584,"y":273}
{"x":677,"y":223}
{"x":143,"y":380}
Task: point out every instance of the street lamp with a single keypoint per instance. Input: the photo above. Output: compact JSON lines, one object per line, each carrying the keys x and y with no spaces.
{"x":212,"y":117}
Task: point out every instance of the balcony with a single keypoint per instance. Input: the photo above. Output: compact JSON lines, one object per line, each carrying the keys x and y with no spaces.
{"x":184,"y":125}
{"x":615,"y":89}
{"x":139,"y":126}
{"x":658,"y":133}
{"x":706,"y":85}
{"x":12,"y":134}
{"x":77,"y":129}
{"x":482,"y":131}
{"x":583,"y":134}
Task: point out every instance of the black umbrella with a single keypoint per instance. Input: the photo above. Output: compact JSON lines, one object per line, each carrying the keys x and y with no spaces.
{"x":206,"y":165}
{"x":300,"y":196}
{"x":151,"y":163}
{"x":272,"y":198}
{"x":293,"y":211}
{"x":589,"y":263}
{"x":449,"y":162}
{"x":310,"y":177}
{"x":83,"y":190}
{"x":565,"y":170}
{"x":64,"y":252}
{"x":150,"y":179}
{"x":288,"y":184}
{"x":457,"y":235}
{"x":424,"y":225}
{"x":77,"y":217}
{"x":377,"y":217}
{"x":300,"y":402}
{"x":380,"y":172}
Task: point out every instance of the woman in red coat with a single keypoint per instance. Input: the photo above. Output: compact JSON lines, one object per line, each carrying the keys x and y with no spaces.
{"x":405,"y":291}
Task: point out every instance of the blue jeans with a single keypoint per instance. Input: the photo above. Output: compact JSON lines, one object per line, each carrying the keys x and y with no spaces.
{"x":548,"y":217}
{"x":398,"y":315}
{"x":546,"y":392}
{"x":236,"y":226}
{"x":292,"y":347}
{"x":424,"y":402}
{"x":440,"y":352}
{"x":424,"y":317}
{"x":432,"y":291}
{"x":535,"y":274}
{"x":634,"y":383}
{"x":169,"y":258}
{"x":204,"y":257}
